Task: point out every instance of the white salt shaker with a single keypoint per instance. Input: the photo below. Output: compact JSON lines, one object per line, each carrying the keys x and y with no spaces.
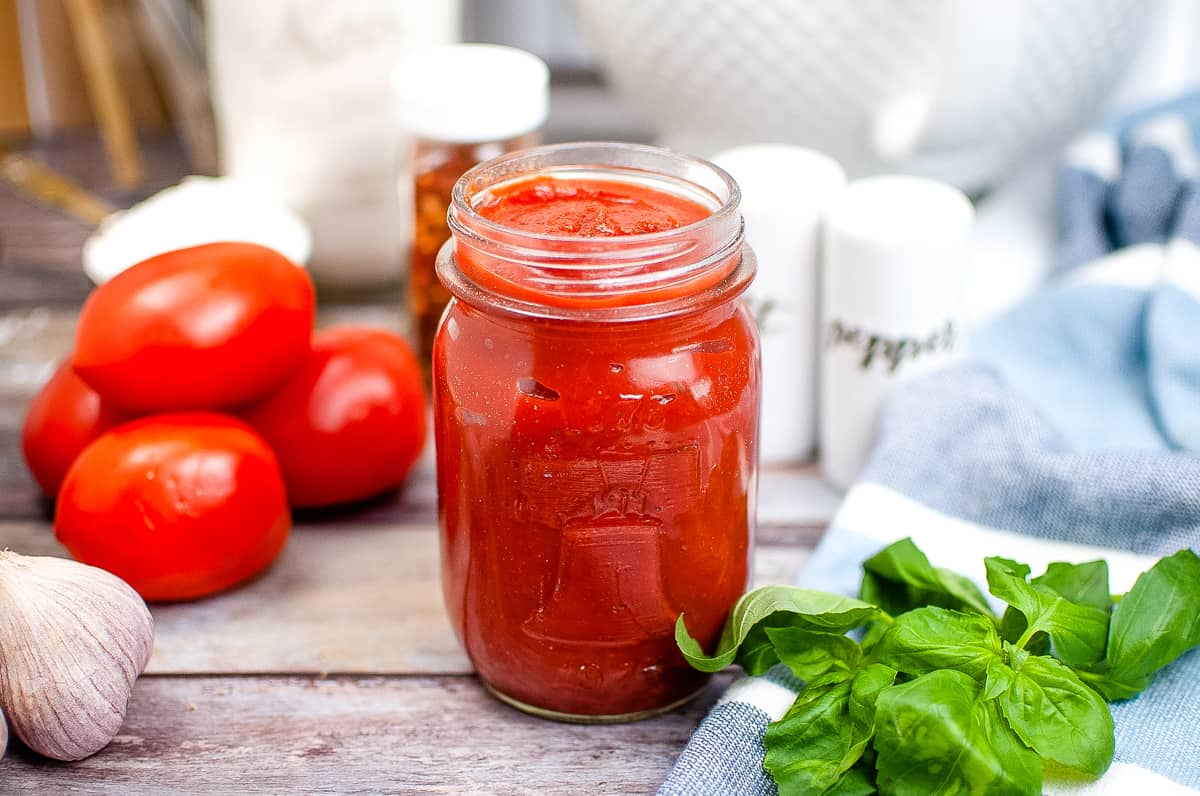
{"x":785,"y":190}
{"x":892,"y":303}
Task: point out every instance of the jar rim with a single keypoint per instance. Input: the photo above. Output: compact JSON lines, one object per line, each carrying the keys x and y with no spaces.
{"x":618,"y":277}
{"x":460,"y":201}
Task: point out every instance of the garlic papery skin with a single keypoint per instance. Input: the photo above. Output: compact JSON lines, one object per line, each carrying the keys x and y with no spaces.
{"x":73,"y":639}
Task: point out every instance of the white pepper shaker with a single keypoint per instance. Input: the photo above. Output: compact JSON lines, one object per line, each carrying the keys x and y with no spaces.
{"x":785,"y":190}
{"x":892,"y":303}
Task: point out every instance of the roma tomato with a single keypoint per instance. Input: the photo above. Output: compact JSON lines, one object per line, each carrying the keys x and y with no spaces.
{"x":208,"y":327}
{"x":178,"y":505}
{"x":60,"y":422}
{"x":350,"y":421}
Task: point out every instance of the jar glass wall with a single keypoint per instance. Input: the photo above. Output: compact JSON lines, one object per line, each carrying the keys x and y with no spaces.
{"x":596,"y":410}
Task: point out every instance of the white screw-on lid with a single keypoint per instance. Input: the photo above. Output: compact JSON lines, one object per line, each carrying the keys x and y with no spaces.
{"x":470,"y":92}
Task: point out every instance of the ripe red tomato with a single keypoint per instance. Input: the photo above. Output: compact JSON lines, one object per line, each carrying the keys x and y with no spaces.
{"x":350,"y":421}
{"x":179,"y":505}
{"x":208,"y":327}
{"x":60,"y":422}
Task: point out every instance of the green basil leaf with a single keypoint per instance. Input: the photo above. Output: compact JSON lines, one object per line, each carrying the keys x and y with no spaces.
{"x":900,"y":578}
{"x":810,"y":654}
{"x":1013,"y":626}
{"x":825,"y":732}
{"x":1078,"y":633}
{"x":756,"y":654}
{"x":927,"y":639}
{"x":1113,"y":689}
{"x":936,"y":735}
{"x":778,"y":606}
{"x":869,"y":683}
{"x":873,"y":631}
{"x":999,"y":678}
{"x":1084,"y":584}
{"x":806,"y":749}
{"x":1056,"y":715}
{"x":858,"y":781}
{"x":1152,"y":625}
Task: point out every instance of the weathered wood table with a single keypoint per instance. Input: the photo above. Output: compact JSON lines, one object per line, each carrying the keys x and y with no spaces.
{"x":336,"y":672}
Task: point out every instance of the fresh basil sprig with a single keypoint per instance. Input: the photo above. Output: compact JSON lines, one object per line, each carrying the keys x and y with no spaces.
{"x":745,"y":641}
{"x":900,"y":578}
{"x":938,"y":734}
{"x":1152,"y":625}
{"x":941,"y":696}
{"x":827,"y":729}
{"x":1078,"y":633}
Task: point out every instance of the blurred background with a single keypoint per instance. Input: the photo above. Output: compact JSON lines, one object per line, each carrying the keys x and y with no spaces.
{"x":295,"y":93}
{"x":921,"y":81}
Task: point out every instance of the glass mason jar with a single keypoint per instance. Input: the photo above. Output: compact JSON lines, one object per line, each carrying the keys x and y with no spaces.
{"x":596,"y":410}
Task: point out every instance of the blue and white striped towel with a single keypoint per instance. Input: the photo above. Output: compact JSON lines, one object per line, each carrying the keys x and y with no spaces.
{"x":1071,"y":432}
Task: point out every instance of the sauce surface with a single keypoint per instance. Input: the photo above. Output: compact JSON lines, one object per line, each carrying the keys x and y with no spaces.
{"x":588,"y":208}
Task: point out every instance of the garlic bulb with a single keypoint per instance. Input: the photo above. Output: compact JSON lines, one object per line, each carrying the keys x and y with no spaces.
{"x":73,"y":640}
{"x":3,"y":735}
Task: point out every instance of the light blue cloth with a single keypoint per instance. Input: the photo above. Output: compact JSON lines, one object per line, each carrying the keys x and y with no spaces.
{"x":1076,"y":418}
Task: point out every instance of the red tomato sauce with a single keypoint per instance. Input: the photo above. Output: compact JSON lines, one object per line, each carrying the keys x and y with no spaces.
{"x":595,"y":479}
{"x":576,"y":212}
{"x":588,"y":208}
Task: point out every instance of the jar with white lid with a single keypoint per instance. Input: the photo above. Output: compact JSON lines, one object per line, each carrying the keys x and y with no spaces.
{"x":458,"y":105}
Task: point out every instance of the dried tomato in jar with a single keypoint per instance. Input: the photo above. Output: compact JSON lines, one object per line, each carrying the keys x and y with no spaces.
{"x":460,"y":105}
{"x":596,"y":397}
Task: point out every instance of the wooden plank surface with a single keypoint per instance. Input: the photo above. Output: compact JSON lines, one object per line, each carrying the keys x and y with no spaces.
{"x":343,"y":598}
{"x":440,"y":735}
